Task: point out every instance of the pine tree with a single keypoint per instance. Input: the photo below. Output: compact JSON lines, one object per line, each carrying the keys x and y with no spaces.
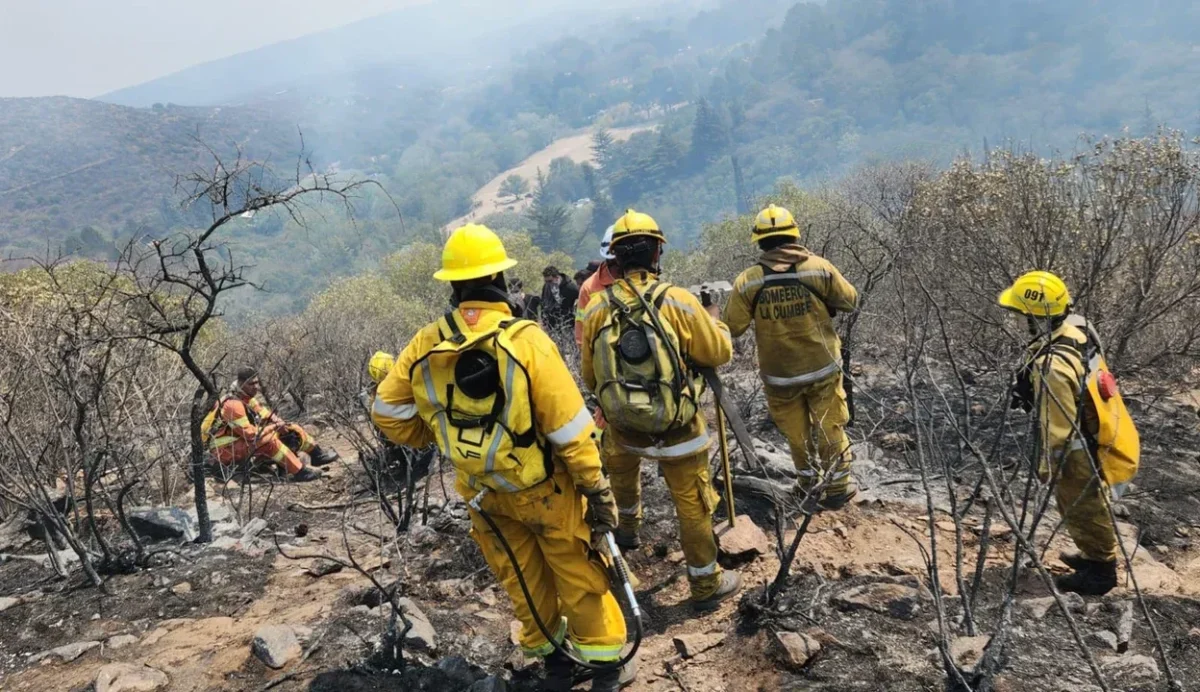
{"x":602,"y":149}
{"x":710,"y":139}
{"x":549,"y":218}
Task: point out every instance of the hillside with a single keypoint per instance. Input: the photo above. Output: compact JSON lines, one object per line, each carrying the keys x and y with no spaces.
{"x":68,"y":163}
{"x":484,"y":33}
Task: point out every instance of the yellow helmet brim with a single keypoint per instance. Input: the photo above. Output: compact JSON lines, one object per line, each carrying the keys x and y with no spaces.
{"x":1008,"y":300}
{"x":756,"y":235}
{"x":469,"y":273}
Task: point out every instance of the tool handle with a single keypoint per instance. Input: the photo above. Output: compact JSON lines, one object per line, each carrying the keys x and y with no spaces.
{"x":723,"y":438}
{"x":623,"y":572}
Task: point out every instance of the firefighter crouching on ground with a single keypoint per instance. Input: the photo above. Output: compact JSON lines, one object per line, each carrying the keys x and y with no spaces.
{"x":241,"y":428}
{"x":495,"y":395}
{"x":1088,"y":447}
{"x":640,"y":337}
{"x":791,"y":297}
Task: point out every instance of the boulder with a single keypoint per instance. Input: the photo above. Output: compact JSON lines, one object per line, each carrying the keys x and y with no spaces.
{"x":967,"y":652}
{"x":492,"y":683}
{"x":1103,"y":639}
{"x":163,"y":523}
{"x":1131,"y":668}
{"x":422,"y":636}
{"x":743,"y":539}
{"x":458,"y":669}
{"x":889,"y":598}
{"x":322,"y":566}
{"x":692,"y":645}
{"x":66,"y":653}
{"x":121,"y":641}
{"x":795,"y":649}
{"x":252,"y":528}
{"x":275,"y":645}
{"x":129,"y":677}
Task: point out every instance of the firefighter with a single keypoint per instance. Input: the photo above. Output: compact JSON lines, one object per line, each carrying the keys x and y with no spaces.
{"x":791,"y":297}
{"x":603,"y":277}
{"x":641,"y":337}
{"x":495,"y":395}
{"x":241,"y":428}
{"x":1087,"y":444}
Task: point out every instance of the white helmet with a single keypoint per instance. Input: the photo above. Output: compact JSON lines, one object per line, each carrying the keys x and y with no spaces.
{"x":605,"y":251}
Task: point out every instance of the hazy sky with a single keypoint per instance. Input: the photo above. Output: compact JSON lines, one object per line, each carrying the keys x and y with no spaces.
{"x":90,"y":47}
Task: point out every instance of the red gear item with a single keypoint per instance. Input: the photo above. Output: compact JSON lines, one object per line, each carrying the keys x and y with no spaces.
{"x":1106,"y":384}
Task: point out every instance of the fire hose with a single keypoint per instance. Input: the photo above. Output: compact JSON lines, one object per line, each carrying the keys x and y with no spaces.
{"x":618,"y":566}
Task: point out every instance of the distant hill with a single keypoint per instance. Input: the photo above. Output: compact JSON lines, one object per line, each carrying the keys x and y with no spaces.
{"x":433,"y":41}
{"x":71,"y":163}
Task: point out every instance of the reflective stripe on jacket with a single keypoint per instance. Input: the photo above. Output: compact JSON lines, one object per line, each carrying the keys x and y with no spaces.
{"x":704,"y":342}
{"x":558,"y":409}
{"x":790,"y":298}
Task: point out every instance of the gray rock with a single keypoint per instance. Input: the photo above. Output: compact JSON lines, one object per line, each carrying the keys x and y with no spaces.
{"x":129,"y":677}
{"x":692,"y":645}
{"x":321,"y":567}
{"x":492,"y":683}
{"x":422,"y":636}
{"x":7,"y":602}
{"x":224,"y":543}
{"x":121,"y":641}
{"x":424,"y":537}
{"x":795,"y":649}
{"x":162,"y":523}
{"x":743,"y":539}
{"x":458,"y":669}
{"x":968,"y":651}
{"x":66,"y":653}
{"x":1038,"y":607}
{"x":275,"y":645}
{"x":1131,"y":668}
{"x":253,"y":528}
{"x":890,"y":598}
{"x":1103,"y":639}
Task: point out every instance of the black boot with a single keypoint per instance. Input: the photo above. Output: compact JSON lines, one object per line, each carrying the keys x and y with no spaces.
{"x":1090,"y":578}
{"x":305,"y":475}
{"x":613,"y":680}
{"x":560,"y":673}
{"x":321,"y":457}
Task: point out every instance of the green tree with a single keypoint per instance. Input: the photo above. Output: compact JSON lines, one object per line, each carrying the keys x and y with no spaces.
{"x":549,"y":218}
{"x":603,"y":149}
{"x":710,"y":138}
{"x":514,"y":186}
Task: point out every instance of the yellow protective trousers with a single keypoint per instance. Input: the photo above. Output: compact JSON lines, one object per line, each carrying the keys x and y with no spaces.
{"x":545,"y":528}
{"x":1083,"y":500}
{"x":695,"y":501}
{"x":813,"y":418}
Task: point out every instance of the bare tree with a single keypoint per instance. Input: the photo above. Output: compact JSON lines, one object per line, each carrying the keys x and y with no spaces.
{"x":180,"y":280}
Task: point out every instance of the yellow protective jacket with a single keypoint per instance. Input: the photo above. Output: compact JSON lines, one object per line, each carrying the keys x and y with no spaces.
{"x":1058,"y":376}
{"x":1056,"y":379}
{"x":790,"y":297}
{"x":704,"y":342}
{"x":559,"y":415}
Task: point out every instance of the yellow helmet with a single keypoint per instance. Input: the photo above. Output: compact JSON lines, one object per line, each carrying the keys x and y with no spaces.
{"x":774,"y":221}
{"x":634,"y":224}
{"x":473,"y":252}
{"x":380,"y":365}
{"x":1037,"y":294}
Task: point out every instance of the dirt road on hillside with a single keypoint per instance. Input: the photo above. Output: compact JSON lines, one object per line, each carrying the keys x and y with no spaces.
{"x":577,"y":147}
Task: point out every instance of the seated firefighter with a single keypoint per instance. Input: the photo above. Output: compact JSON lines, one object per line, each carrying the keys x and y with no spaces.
{"x":1088,"y":447}
{"x":241,"y":429}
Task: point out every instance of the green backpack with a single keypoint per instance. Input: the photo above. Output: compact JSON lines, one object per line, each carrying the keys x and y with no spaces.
{"x":642,"y":381}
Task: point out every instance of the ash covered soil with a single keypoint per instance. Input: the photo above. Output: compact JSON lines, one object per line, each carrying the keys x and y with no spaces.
{"x":856,"y":613}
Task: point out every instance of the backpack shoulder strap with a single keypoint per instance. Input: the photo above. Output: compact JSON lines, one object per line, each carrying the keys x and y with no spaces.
{"x":449,"y":330}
